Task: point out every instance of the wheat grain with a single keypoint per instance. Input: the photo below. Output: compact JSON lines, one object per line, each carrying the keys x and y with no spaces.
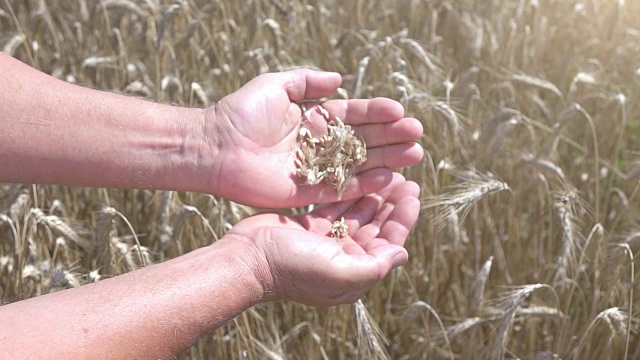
{"x":331,"y":158}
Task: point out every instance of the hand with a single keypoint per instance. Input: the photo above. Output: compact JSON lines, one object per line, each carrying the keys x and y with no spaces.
{"x":257,"y":130}
{"x":295,"y":259}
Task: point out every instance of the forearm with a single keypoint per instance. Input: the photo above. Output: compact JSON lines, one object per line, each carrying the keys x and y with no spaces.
{"x":58,"y":133}
{"x":151,"y":313}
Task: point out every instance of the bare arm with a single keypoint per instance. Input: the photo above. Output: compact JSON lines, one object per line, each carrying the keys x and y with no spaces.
{"x":151,"y":313}
{"x":58,"y":133}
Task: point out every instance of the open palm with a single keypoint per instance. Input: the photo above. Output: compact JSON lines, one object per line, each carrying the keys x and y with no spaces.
{"x":301,"y":262}
{"x":257,"y":129}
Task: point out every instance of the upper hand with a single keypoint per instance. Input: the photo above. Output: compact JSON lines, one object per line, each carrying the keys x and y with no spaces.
{"x":256,"y":131}
{"x":294,"y":258}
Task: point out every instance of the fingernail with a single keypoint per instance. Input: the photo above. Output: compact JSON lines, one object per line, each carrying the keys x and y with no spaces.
{"x":398,"y":260}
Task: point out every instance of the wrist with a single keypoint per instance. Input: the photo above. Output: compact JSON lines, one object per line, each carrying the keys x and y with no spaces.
{"x":209,"y":157}
{"x":189,"y":169}
{"x":250,"y":263}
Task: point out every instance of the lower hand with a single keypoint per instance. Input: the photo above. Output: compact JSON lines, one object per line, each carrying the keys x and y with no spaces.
{"x":294,"y":258}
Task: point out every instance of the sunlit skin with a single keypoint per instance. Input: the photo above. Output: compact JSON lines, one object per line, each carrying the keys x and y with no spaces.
{"x":58,"y":133}
{"x":258,"y":129}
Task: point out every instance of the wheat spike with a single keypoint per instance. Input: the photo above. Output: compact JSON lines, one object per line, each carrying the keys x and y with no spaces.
{"x":369,"y":333}
{"x":565,"y":208}
{"x":510,"y":304}
{"x":60,"y":228}
{"x":460,"y":197}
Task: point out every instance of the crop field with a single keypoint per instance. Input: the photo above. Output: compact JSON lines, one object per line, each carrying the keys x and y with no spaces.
{"x":527,"y":239}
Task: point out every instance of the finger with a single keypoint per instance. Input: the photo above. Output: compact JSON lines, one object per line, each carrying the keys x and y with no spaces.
{"x":403,"y":130}
{"x":365,"y":111}
{"x":364,"y":211}
{"x":364,"y":183}
{"x":391,"y":255}
{"x":399,"y":223}
{"x":304,"y":84}
{"x":408,"y":188}
{"x":372,"y":230}
{"x":393,"y":156}
{"x":364,"y":270}
{"x":356,"y":212}
{"x":398,"y":259}
{"x":381,"y":259}
{"x":350,"y":246}
{"x":400,"y":131}
{"x":394,"y":229}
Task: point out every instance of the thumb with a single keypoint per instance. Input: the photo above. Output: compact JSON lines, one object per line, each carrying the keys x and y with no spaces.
{"x":310,"y":84}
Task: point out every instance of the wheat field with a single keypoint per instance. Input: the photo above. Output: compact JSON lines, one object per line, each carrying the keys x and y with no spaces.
{"x":526,"y":244}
